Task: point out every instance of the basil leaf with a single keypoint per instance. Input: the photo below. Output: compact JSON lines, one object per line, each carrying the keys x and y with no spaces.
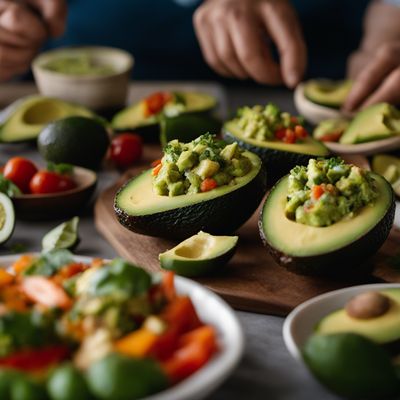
{"x":50,"y":262}
{"x":62,"y":169}
{"x":9,"y":188}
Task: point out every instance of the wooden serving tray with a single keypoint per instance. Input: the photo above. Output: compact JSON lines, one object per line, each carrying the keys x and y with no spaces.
{"x":252,"y":281}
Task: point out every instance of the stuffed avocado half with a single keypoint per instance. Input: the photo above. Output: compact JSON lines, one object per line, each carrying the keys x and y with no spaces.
{"x":202,"y":185}
{"x":166,"y":112}
{"x":279,"y":138}
{"x":327,"y":218}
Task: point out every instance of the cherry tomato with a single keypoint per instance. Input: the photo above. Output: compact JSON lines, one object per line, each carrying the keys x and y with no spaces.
{"x":50,"y":182}
{"x":156,"y":102}
{"x":20,"y":171}
{"x":126,"y":148}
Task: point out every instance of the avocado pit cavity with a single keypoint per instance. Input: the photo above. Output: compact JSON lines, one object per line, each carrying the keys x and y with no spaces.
{"x":367,"y":305}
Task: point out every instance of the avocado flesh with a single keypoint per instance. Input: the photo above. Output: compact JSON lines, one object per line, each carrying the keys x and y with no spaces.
{"x":351,"y":366}
{"x":381,"y":330}
{"x":327,"y":93}
{"x":278,"y":157}
{"x":24,"y":119}
{"x":133,"y":117}
{"x":219,"y":211}
{"x":199,"y":254}
{"x":376,"y":122}
{"x":332,"y":250}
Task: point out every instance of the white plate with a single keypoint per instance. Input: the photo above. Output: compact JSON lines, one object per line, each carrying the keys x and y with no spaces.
{"x":214,"y":311}
{"x":300,"y":323}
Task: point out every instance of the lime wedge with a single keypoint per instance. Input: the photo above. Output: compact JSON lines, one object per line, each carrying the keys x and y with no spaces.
{"x":63,"y":236}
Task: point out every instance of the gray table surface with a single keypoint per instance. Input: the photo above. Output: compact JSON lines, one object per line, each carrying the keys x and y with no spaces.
{"x":266,"y":371}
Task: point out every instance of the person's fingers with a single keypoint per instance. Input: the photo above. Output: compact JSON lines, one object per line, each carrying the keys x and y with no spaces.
{"x":14,"y":56}
{"x":355,"y":64}
{"x":10,"y":39}
{"x":226,"y":52}
{"x":252,"y":51}
{"x":6,"y":73}
{"x":53,"y":12}
{"x":371,"y":76}
{"x":282,"y":25}
{"x":206,"y":41}
{"x":23,"y":23}
{"x":388,"y":91}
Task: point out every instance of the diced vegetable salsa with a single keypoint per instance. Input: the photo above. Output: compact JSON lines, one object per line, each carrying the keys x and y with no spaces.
{"x":326,"y":191}
{"x":199,"y":166}
{"x":104,"y":329}
{"x":167,"y":103}
{"x":268,"y":123}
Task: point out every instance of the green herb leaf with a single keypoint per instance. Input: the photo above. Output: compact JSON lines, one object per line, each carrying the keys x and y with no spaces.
{"x":9,"y":188}
{"x":50,"y":262}
{"x":62,"y":169}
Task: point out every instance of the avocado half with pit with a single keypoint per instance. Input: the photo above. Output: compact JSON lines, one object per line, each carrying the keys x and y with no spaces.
{"x":375,"y":122}
{"x":24,"y":119}
{"x":199,"y":255}
{"x":278,"y":157}
{"x":338,"y":249}
{"x":219,"y":211}
{"x":133,"y":118}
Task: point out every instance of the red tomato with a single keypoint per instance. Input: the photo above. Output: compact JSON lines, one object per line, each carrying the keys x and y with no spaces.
{"x":50,"y":182}
{"x":20,"y":171}
{"x":126,"y":149}
{"x":156,"y":102}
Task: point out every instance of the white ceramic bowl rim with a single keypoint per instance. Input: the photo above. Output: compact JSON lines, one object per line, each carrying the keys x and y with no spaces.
{"x":41,"y":59}
{"x":300,"y":323}
{"x":211,"y":309}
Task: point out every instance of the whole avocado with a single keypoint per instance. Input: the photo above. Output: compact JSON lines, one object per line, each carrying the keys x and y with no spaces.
{"x":74,"y":140}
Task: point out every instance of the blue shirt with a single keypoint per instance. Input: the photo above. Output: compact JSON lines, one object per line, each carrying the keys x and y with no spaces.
{"x":160,"y":35}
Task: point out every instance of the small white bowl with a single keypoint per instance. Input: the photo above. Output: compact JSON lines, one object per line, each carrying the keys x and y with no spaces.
{"x":299,"y":325}
{"x":313,"y":113}
{"x":212,"y":310}
{"x":92,"y":91}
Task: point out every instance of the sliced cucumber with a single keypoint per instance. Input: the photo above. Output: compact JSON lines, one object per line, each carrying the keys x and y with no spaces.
{"x":7,"y":218}
{"x":199,"y":254}
{"x":63,"y":236}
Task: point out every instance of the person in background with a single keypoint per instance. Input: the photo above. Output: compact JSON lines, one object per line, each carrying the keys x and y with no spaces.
{"x":240,"y":39}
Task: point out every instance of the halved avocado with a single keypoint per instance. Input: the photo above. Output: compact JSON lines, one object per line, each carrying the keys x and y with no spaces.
{"x":25,"y":118}
{"x":338,"y":249}
{"x":326,"y":92}
{"x":278,"y":157}
{"x":375,"y":122}
{"x":389,"y":167}
{"x":199,"y":255}
{"x":219,"y":211}
{"x":7,"y":218}
{"x":133,"y":117}
{"x":384,"y":329}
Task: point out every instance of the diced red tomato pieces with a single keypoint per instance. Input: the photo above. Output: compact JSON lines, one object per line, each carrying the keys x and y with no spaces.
{"x":35,"y":359}
{"x":331,"y":137}
{"x":155,"y":163}
{"x":208,"y":184}
{"x":280,"y":133}
{"x":156,"y":102}
{"x":300,"y":132}
{"x":156,"y":170}
{"x":317,"y":191}
{"x":290,"y":136}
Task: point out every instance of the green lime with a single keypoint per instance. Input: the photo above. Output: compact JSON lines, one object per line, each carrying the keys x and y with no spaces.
{"x":63,"y":236}
{"x":117,"y":377}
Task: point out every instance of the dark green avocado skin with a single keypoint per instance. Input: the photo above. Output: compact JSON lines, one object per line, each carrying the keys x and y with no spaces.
{"x":347,"y":261}
{"x":278,"y":163}
{"x":219,"y":216}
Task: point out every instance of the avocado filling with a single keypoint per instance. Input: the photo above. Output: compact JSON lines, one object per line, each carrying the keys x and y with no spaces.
{"x":270,"y":124}
{"x":199,"y":166}
{"x":326,"y":191}
{"x":170,"y":104}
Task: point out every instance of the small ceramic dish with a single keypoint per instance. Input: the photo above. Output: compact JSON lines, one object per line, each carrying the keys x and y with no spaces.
{"x":212,"y":310}
{"x":55,"y":205}
{"x":97,"y":92}
{"x":299,"y":325}
{"x":312,"y":112}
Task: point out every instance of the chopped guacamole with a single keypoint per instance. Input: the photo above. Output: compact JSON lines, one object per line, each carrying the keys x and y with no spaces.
{"x":199,"y":166}
{"x":78,"y":64}
{"x":326,"y":191}
{"x":268,"y":123}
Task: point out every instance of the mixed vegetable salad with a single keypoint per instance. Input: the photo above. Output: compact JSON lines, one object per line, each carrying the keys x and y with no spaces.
{"x":104,"y":329}
{"x":326,"y":191}
{"x":270,"y":123}
{"x":167,"y":103}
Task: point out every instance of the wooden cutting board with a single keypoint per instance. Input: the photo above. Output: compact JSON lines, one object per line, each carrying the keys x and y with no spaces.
{"x":252,"y":281}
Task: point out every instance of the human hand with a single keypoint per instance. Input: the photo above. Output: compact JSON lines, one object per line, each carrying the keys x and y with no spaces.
{"x":24,"y":26}
{"x":233,"y":36}
{"x":376,"y":76}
